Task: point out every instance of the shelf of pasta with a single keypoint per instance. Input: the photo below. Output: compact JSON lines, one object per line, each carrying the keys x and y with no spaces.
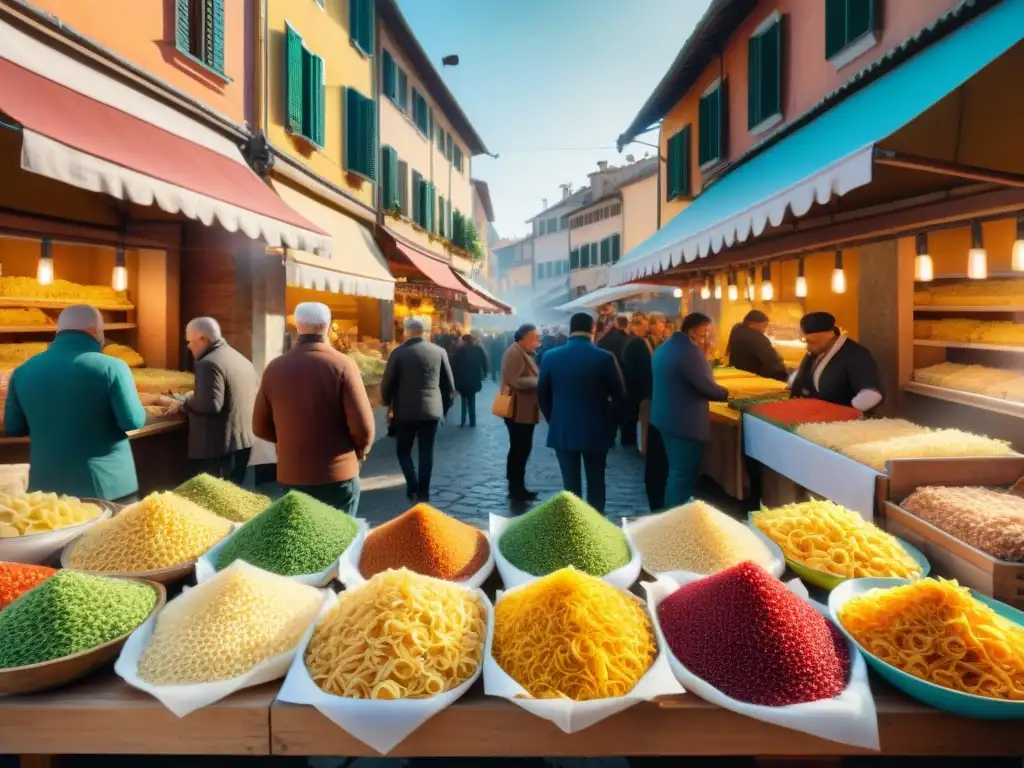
{"x":14,"y":354}
{"x":157,"y":381}
{"x":35,"y":526}
{"x":970,"y":333}
{"x":973,"y":294}
{"x":27,"y":292}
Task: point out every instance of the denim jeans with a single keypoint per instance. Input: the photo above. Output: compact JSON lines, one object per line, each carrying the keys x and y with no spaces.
{"x":468,"y":408}
{"x":343,"y":495}
{"x":407,"y":433}
{"x":593,"y":465}
{"x":684,"y":457}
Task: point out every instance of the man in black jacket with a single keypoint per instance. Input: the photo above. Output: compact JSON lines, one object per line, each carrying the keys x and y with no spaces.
{"x":614,"y":340}
{"x":749,"y":349}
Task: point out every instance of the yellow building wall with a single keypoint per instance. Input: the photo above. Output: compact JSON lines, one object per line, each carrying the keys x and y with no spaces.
{"x":325,"y":32}
{"x":639,"y":212}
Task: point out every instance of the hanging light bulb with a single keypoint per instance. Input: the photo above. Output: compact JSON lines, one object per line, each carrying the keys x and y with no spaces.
{"x":801,"y":281}
{"x":44,"y":272}
{"x":677,"y":293}
{"x":705,"y":292}
{"x":751,"y":278}
{"x":734,"y":291}
{"x":119,"y":279}
{"x":1017,"y":255}
{"x":977,"y":259}
{"x":767,"y":289}
{"x":838,"y":275}
{"x":924,"y":270}
{"x":718,"y":287}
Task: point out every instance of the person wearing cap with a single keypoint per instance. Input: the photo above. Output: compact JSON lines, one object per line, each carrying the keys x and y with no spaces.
{"x":836,"y":368}
{"x":750,"y":350}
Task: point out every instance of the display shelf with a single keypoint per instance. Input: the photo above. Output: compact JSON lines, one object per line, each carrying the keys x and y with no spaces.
{"x":954,"y":308}
{"x":1007,"y":407}
{"x":53,"y":328}
{"x":969,"y":345}
{"x":11,"y":301}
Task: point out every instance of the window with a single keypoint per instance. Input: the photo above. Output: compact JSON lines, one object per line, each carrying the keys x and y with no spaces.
{"x":360,"y":134}
{"x":442,"y":228}
{"x":552,"y":226}
{"x":403,"y":89}
{"x":389,"y":199}
{"x":542,"y":227}
{"x":199,"y":31}
{"x":606,"y":250}
{"x":440,"y":140}
{"x":617,"y":209}
{"x":420,"y":113}
{"x":459,"y":226}
{"x":711,"y":126}
{"x":422,"y":201}
{"x":588,"y":255}
{"x":563,"y":223}
{"x":403,"y":188}
{"x":574,"y":259}
{"x":448,"y":147}
{"x":616,"y":248}
{"x":764,"y":75}
{"x":677,"y":171}
{"x":389,"y":77}
{"x":304,"y":90}
{"x":360,"y":25}
{"x":851,"y":28}
{"x":417,"y":181}
{"x":457,"y":158}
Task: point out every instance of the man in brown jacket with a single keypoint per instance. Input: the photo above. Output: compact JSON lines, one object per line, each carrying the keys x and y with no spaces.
{"x":313,"y":405}
{"x":519,"y":377}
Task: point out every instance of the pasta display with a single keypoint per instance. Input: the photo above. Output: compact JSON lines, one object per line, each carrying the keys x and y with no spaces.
{"x":840,"y":435}
{"x":936,"y":630}
{"x":222,"y":498}
{"x":399,"y":636}
{"x":61,"y":290}
{"x":25,"y":514}
{"x":16,"y":579}
{"x":125,"y":354}
{"x":571,"y":635}
{"x":935,"y":444}
{"x":831,"y":538}
{"x":985,"y":518}
{"x":803,"y":410}
{"x":156,"y":381}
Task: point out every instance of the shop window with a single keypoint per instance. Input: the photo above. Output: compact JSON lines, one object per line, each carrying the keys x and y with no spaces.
{"x":390,"y":199}
{"x":851,"y":28}
{"x":305,"y":90}
{"x":199,"y":31}
{"x":711,"y":126}
{"x":764,"y":75}
{"x":360,"y":29}
{"x":360,"y":134}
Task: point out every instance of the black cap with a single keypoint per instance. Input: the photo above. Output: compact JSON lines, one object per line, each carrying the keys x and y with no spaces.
{"x":818,"y":322}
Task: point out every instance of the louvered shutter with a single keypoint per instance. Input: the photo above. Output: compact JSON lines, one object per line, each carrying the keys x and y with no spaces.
{"x":213,"y":56}
{"x":366,"y":32}
{"x":403,"y":90}
{"x":442,"y":230}
{"x":606,"y":250}
{"x":771,"y":70}
{"x":685,"y":161}
{"x":672,"y":168}
{"x":417,"y":182}
{"x":835,"y":27}
{"x":368,"y":144}
{"x":422,"y":197}
{"x":390,"y":84}
{"x":181,"y":26}
{"x":361,"y":24}
{"x":403,"y":188}
{"x":754,"y":85}
{"x":574,"y":259}
{"x":319,"y":135}
{"x":352,"y":116}
{"x":431,"y":208}
{"x":616,"y":248}
{"x":309,"y":93}
{"x":293,"y":79}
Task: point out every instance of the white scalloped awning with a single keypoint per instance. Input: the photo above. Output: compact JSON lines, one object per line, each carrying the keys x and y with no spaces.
{"x":86,"y":129}
{"x":614,"y":293}
{"x":829,"y":156}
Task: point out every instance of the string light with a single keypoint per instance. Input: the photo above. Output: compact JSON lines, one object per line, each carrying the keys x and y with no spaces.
{"x":838,"y":275}
{"x":718,"y":287}
{"x":751,"y":278}
{"x":767,"y":289}
{"x":119,"y":278}
{"x":924,"y":270}
{"x":705,"y":292}
{"x":734,"y":291}
{"x":977,"y":259}
{"x":1017,"y":255}
{"x":801,"y":281}
{"x":44,"y":272}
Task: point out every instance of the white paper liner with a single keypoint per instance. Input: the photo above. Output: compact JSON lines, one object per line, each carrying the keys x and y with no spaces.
{"x":849,"y":718}
{"x":187,"y":698}
{"x":622,"y":578}
{"x":776,"y":567}
{"x":380,"y":724}
{"x":572,"y":716}
{"x":349,"y":575}
{"x":206,"y":566}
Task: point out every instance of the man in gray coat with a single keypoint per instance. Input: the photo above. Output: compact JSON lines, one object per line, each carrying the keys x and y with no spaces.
{"x":220,"y":407}
{"x":419,"y":388}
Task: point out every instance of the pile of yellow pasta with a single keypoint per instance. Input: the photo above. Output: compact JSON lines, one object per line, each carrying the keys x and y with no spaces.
{"x":24,"y":514}
{"x":966,"y":330}
{"x":839,"y":435}
{"x":828,"y":537}
{"x":399,"y":636}
{"x":227,"y":626}
{"x":61,"y":290}
{"x":973,"y":293}
{"x":13,"y":355}
{"x":980,"y":379}
{"x":123,"y":352}
{"x":161,"y":531}
{"x":571,"y":635}
{"x":932,"y":444}
{"x":936,"y":630}
{"x":18,"y":316}
{"x":157,"y":381}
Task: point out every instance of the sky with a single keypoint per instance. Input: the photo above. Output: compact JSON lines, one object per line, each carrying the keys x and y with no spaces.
{"x":550,"y":84}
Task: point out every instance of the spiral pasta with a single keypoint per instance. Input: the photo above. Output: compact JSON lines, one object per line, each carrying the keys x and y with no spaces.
{"x":936,"y":630}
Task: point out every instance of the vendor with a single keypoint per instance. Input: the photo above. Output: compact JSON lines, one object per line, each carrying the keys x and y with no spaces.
{"x":836,"y":368}
{"x":749,"y":349}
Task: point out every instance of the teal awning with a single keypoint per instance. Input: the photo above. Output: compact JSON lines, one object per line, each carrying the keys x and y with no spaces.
{"x":831,"y":155}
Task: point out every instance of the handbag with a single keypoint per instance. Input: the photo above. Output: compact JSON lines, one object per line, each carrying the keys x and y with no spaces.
{"x":504,"y":404}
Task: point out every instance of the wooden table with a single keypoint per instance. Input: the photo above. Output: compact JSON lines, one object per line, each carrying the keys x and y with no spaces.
{"x":724,"y":460}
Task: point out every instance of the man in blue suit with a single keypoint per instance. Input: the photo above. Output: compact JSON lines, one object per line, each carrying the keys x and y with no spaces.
{"x":581,"y":395}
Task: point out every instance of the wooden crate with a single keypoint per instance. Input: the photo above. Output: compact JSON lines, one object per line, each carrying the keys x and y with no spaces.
{"x":949,"y":556}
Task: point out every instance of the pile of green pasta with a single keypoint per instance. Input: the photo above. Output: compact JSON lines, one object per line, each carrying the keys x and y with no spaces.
{"x":564,"y":531}
{"x":222,"y":498}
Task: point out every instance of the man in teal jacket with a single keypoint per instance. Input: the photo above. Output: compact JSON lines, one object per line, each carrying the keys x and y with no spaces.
{"x":76,"y":404}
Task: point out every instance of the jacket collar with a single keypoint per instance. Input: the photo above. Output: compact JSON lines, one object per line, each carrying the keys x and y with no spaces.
{"x":413,"y":340}
{"x":580,"y":336}
{"x":213,"y":345}
{"x":77,"y":340}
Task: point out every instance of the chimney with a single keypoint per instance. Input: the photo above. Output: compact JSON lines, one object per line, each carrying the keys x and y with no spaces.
{"x":602,"y":166}
{"x":543,"y":203}
{"x":566,"y":190}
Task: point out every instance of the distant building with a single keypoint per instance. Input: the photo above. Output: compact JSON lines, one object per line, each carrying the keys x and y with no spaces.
{"x":483,"y":220}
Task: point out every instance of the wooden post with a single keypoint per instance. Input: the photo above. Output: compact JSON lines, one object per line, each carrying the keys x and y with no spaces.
{"x":879,"y":315}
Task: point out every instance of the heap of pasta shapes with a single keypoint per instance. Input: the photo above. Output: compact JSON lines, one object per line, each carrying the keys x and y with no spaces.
{"x":222,"y":498}
{"x":162,"y":531}
{"x":17,"y":578}
{"x":227,"y":626}
{"x":601,"y":636}
{"x":24,"y":514}
{"x":744,"y":633}
{"x":564,"y":532}
{"x":831,"y":538}
{"x":937,"y":631}
{"x":986,"y":518}
{"x":399,"y":636}
{"x":696,"y":538}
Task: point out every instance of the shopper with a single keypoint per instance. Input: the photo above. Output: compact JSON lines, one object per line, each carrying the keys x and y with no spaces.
{"x":836,"y":368}
{"x":519,"y":378}
{"x":76,"y":404}
{"x":615,"y":339}
{"x":581,"y":395}
{"x":469,"y":368}
{"x":683,"y":386}
{"x":220,"y":407}
{"x":749,"y":349}
{"x":312,"y":404}
{"x":419,"y":388}
{"x":637,"y":372}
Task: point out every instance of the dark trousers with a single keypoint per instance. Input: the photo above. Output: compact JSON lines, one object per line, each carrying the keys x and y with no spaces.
{"x":343,"y":495}
{"x":407,"y":433}
{"x":231,"y":466}
{"x":468,"y":407}
{"x":629,"y":423}
{"x":520,"y":443}
{"x":684,"y":456}
{"x":593,"y":463}
{"x":655,"y":469}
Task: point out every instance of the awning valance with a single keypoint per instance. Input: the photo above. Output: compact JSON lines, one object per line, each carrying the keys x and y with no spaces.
{"x":85,"y":129}
{"x":485,"y":300}
{"x":356,"y":266}
{"x":614,"y":293}
{"x":831,"y":155}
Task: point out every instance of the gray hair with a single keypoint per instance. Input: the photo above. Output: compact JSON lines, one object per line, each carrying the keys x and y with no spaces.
{"x":312,"y":317}
{"x":206,"y":326}
{"x":80,"y":317}
{"x":414,"y":326}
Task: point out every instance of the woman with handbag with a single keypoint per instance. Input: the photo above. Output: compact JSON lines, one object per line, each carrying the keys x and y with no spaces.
{"x":516,"y":403}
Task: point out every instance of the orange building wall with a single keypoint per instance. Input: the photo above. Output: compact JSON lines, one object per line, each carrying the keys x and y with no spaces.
{"x":807,"y":76}
{"x":142,"y":31}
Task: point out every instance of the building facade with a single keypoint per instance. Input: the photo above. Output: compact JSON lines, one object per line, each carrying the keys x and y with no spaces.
{"x":514,"y":264}
{"x":483,"y":221}
{"x":551,"y":239}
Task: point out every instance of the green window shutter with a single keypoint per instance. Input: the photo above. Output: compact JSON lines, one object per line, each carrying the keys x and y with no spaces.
{"x":317,"y":100}
{"x":861,"y":18}
{"x":448,"y":147}
{"x":574,"y":259}
{"x":710,"y":123}
{"x":394,"y":180}
{"x":293,"y":79}
{"x":403,"y":90}
{"x":308,"y":95}
{"x":431,"y":208}
{"x":360,"y":21}
{"x":584,"y":256}
{"x":672,"y":169}
{"x":430,"y":123}
{"x":835,"y":27}
{"x":389,"y":86}
{"x":616,"y":248}
{"x":685,"y":161}
{"x":417,"y":181}
{"x":366,"y":31}
{"x":442,"y":230}
{"x":368,"y":114}
{"x":353,"y":104}
{"x":457,"y":155}
{"x":387,"y":187}
{"x":606,"y":250}
{"x":213,"y":56}
{"x":440,"y":140}
{"x":181,"y":26}
{"x":754,"y":84}
{"x":764,"y":89}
